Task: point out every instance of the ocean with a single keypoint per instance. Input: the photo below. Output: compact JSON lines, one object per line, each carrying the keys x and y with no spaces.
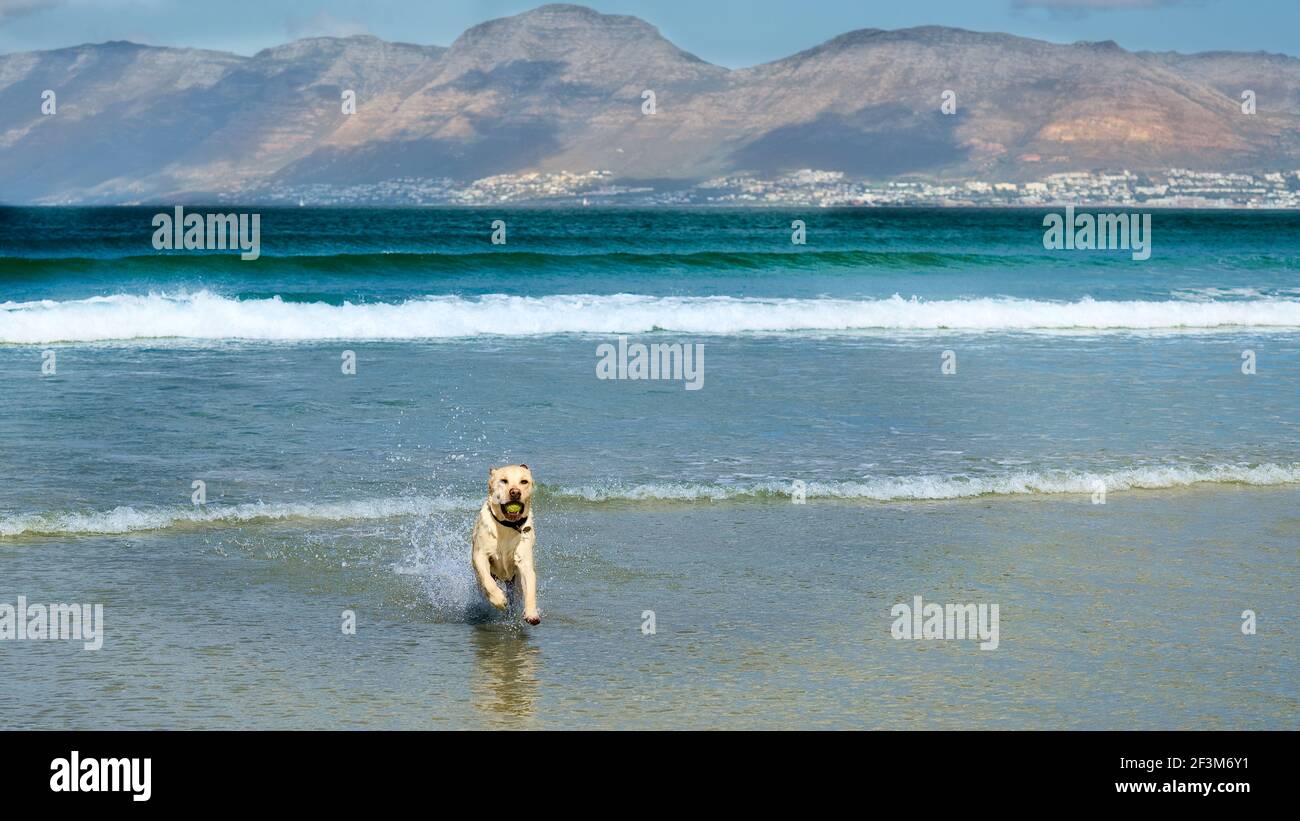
{"x":238,"y":458}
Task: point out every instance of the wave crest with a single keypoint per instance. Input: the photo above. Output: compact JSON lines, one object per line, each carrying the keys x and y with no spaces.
{"x":207,"y":316}
{"x":122,"y":520}
{"x":127,"y":519}
{"x":937,"y":487}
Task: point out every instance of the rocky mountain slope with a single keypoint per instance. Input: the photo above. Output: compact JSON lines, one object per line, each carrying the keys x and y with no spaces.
{"x":560,"y":88}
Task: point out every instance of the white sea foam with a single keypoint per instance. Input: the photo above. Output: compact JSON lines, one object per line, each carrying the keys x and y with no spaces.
{"x":1215,"y":293}
{"x":901,"y":488}
{"x":935,"y":487}
{"x":208,"y":316}
{"x":129,"y":519}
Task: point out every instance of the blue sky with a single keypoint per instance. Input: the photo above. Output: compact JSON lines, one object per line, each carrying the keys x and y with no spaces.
{"x":728,"y":32}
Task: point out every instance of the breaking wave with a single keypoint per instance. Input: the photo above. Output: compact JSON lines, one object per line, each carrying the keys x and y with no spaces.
{"x":130,"y":520}
{"x":208,"y":316}
{"x":121,"y":520}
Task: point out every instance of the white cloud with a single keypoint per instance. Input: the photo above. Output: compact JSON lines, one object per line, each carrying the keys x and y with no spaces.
{"x":9,"y":9}
{"x":323,"y":24}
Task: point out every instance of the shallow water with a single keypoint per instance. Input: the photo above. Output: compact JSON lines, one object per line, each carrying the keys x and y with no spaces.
{"x":766,"y":615}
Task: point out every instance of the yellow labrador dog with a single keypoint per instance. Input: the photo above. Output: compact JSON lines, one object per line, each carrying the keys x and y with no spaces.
{"x":504,"y":538}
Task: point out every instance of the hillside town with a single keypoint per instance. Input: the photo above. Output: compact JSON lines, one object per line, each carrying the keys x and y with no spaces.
{"x":1174,"y":188}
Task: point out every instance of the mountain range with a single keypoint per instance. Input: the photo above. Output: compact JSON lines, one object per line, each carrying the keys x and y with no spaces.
{"x":561,"y":88}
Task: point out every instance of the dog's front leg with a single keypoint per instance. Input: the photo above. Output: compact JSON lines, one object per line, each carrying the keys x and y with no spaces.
{"x":527,"y":580}
{"x":483,"y":572}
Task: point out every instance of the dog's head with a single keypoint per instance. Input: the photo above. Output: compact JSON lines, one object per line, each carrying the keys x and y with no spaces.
{"x":510,"y":491}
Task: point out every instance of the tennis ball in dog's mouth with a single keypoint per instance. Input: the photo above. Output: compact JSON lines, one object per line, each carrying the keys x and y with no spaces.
{"x":513,"y":508}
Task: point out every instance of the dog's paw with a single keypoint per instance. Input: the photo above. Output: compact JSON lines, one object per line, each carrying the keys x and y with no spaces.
{"x":533,"y":618}
{"x":499,"y":601}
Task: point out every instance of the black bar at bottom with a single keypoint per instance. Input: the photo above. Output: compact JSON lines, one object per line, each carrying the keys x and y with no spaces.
{"x":440,"y":771}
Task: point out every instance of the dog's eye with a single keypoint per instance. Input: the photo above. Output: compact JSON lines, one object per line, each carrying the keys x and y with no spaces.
{"x":523,"y":481}
{"x":504,"y":482}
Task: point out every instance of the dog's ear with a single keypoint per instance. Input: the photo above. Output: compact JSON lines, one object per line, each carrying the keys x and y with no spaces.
{"x":525,"y":467}
{"x":492,"y":475}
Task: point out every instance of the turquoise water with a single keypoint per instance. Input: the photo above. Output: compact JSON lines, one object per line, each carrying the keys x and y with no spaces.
{"x":822,"y":365}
